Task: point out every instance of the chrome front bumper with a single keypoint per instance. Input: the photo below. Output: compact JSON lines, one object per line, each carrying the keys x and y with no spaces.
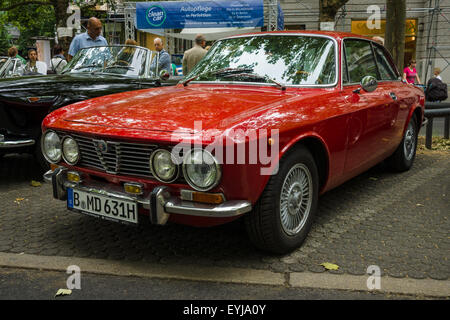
{"x":159,"y":202}
{"x":16,"y":143}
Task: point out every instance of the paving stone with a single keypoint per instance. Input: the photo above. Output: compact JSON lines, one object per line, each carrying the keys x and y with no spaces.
{"x":360,"y":223}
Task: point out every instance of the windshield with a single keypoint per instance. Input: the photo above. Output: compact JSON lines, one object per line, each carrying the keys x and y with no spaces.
{"x":123,"y":60}
{"x":287,"y":59}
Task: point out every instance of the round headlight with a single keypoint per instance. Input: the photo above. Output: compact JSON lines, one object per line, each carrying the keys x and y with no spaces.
{"x":70,"y":150}
{"x":201,"y":170}
{"x":51,"y":147}
{"x":162,"y":166}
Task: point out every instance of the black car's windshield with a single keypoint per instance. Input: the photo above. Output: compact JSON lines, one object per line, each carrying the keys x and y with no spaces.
{"x":123,"y":60}
{"x":286,"y":59}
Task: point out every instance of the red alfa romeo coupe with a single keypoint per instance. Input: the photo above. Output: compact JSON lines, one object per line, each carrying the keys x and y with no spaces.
{"x":262,"y":126}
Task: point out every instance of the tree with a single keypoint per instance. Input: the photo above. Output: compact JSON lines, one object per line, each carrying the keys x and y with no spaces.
{"x":40,"y":17}
{"x":395,"y":30}
{"x":329,"y":9}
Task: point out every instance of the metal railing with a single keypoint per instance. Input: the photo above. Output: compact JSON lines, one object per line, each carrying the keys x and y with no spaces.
{"x":436,"y":110}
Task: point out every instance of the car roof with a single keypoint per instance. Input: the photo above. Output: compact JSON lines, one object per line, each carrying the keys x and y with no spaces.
{"x":334,"y":34}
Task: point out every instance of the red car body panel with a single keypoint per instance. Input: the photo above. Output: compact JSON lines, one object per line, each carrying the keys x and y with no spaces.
{"x":355,"y":130}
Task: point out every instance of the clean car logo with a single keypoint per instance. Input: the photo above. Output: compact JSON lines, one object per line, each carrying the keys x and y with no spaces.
{"x":155,"y":15}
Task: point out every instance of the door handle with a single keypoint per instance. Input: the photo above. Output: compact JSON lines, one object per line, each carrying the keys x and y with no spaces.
{"x":393,"y":96}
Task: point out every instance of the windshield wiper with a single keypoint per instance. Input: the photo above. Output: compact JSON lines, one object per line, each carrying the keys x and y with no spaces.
{"x":256,"y":76}
{"x":117,"y":66}
{"x":87,"y":66}
{"x":217,"y":72}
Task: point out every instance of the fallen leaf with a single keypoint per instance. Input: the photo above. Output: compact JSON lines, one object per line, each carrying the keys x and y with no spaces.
{"x":373,"y":178}
{"x":420,"y":205}
{"x":35,"y":183}
{"x":18,"y":200}
{"x":329,"y":266}
{"x":63,"y":292}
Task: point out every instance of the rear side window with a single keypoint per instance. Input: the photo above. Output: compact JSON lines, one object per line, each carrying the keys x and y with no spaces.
{"x":360,"y":60}
{"x":384,"y":66}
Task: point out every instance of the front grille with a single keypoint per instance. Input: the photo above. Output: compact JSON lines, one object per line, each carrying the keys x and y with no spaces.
{"x":115,"y":157}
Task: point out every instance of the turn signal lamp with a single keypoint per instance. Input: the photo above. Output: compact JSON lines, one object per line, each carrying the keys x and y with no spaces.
{"x":73,"y":176}
{"x":213,"y":198}
{"x":53,"y":166}
{"x":133,"y":188}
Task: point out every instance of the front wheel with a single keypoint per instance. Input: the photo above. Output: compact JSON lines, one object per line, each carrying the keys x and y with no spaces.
{"x":404,"y":156}
{"x":283,"y":215}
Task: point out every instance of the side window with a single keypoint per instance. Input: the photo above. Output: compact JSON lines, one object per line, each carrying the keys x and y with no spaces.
{"x":344,"y":68}
{"x":360,"y":60}
{"x":384,"y":66}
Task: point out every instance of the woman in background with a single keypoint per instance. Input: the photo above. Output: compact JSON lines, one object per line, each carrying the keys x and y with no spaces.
{"x":410,"y":73}
{"x":58,"y":61}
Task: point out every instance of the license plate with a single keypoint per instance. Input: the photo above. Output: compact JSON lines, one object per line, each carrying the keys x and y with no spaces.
{"x":102,"y":206}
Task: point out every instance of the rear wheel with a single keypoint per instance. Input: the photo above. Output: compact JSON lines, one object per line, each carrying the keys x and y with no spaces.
{"x":285,"y":211}
{"x":404,"y":156}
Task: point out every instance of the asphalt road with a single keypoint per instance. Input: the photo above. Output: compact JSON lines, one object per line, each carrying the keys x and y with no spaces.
{"x":18,"y":284}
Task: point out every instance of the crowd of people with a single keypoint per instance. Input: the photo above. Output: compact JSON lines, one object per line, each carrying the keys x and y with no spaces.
{"x":93,"y":37}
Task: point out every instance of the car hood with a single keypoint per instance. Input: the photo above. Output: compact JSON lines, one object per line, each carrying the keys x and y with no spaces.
{"x":182,"y":109}
{"x":84,"y":83}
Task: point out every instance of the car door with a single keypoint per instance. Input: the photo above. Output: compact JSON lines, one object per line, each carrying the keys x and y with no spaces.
{"x":369,"y":126}
{"x":397,"y":112}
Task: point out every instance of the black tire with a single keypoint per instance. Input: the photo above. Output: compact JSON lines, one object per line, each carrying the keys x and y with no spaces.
{"x":264,"y":223}
{"x":39,"y":157}
{"x":403,"y":157}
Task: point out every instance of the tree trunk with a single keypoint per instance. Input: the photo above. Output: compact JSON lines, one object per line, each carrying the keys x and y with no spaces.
{"x":329,"y":9}
{"x":395,"y":30}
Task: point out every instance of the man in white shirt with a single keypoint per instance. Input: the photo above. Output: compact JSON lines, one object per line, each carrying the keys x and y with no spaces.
{"x":34,"y":66}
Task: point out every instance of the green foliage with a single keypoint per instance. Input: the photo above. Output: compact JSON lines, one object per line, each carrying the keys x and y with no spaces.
{"x":4,"y":42}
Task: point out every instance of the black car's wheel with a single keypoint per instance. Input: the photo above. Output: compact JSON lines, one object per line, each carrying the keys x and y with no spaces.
{"x":403,"y":157}
{"x":284,"y":213}
{"x":39,"y":156}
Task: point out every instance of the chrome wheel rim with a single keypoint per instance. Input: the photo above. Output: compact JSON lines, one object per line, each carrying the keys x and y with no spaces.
{"x":409,"y":144}
{"x":296,"y":199}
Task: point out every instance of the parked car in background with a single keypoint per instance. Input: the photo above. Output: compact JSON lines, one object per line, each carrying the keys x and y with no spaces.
{"x":11,"y":67}
{"x":265,"y":123}
{"x":93,"y":72}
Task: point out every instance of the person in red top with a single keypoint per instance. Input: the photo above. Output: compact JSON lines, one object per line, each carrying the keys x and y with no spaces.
{"x":410,"y":73}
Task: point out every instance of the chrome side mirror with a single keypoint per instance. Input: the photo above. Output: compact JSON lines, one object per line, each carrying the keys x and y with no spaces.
{"x":369,"y":84}
{"x":164,"y":74}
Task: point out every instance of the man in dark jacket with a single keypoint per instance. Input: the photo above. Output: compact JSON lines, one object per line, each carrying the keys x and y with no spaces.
{"x":436,"y":89}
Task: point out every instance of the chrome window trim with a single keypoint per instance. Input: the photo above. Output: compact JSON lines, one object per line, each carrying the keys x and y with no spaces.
{"x":336,"y":62}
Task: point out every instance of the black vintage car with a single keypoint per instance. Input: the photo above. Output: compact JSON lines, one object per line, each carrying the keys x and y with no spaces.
{"x":93,"y":72}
